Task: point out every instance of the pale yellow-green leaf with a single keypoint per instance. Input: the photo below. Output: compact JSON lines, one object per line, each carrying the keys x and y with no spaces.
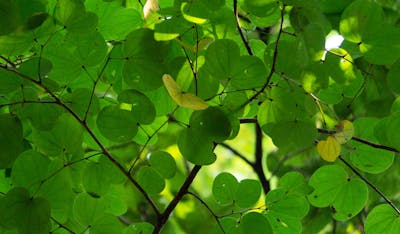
{"x":183,"y":99}
{"x":329,"y":149}
{"x":345,"y":131}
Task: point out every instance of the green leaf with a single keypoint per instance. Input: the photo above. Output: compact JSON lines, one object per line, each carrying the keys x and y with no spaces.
{"x":360,"y":18}
{"x":382,"y":47}
{"x":144,"y":66}
{"x":43,"y":116}
{"x":30,"y":169}
{"x":332,"y":187}
{"x":196,"y":148}
{"x":28,"y":214}
{"x":139,"y":105}
{"x":68,"y":10}
{"x":295,"y":184}
{"x":106,"y":224}
{"x":150,"y":180}
{"x":115,"y":21}
{"x":79,"y":101}
{"x":260,"y":8}
{"x":367,"y":158}
{"x":11,"y":139}
{"x":285,"y":211}
{"x":211,"y":123}
{"x":95,"y":180}
{"x":10,"y":16}
{"x":65,"y":138}
{"x":254,"y":223}
{"x":224,"y":188}
{"x":164,"y":163}
{"x":139,"y":228}
{"x":117,"y":124}
{"x":87,"y":210}
{"x":248,"y":192}
{"x":393,"y":77}
{"x":382,"y":219}
{"x":291,"y":134}
{"x":222,"y":56}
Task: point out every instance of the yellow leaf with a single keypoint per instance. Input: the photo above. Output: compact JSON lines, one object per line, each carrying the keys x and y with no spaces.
{"x":345,"y":131}
{"x":187,"y":100}
{"x":329,"y":149}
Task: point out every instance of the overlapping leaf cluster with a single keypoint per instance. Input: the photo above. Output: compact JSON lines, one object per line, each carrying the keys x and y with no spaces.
{"x":110,"y":108}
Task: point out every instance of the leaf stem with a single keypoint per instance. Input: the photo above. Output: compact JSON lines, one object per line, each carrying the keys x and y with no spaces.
{"x":388,"y":201}
{"x":244,"y":40}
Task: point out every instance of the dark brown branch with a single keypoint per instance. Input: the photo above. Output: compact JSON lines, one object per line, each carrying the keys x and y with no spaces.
{"x":248,"y":120}
{"x":162,"y":219}
{"x":245,"y":42}
{"x":258,"y":168}
{"x":372,"y":144}
{"x":208,"y":208}
{"x":388,"y":201}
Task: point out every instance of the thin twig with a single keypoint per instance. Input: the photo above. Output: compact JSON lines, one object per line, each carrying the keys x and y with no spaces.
{"x":245,"y":42}
{"x":62,"y":225}
{"x":95,"y":84}
{"x":361,"y":140}
{"x":208,"y":208}
{"x":289,"y":156}
{"x":388,"y":201}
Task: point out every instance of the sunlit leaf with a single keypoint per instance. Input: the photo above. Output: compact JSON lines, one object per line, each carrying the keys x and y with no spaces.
{"x":151,"y":181}
{"x":382,"y":219}
{"x":181,"y":98}
{"x":224,"y":188}
{"x":329,"y":149}
{"x":332,"y":187}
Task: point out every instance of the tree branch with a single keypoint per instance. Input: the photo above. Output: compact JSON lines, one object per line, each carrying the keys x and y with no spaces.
{"x":162,"y":219}
{"x":258,"y":163}
{"x":388,"y":201}
{"x":372,"y":144}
